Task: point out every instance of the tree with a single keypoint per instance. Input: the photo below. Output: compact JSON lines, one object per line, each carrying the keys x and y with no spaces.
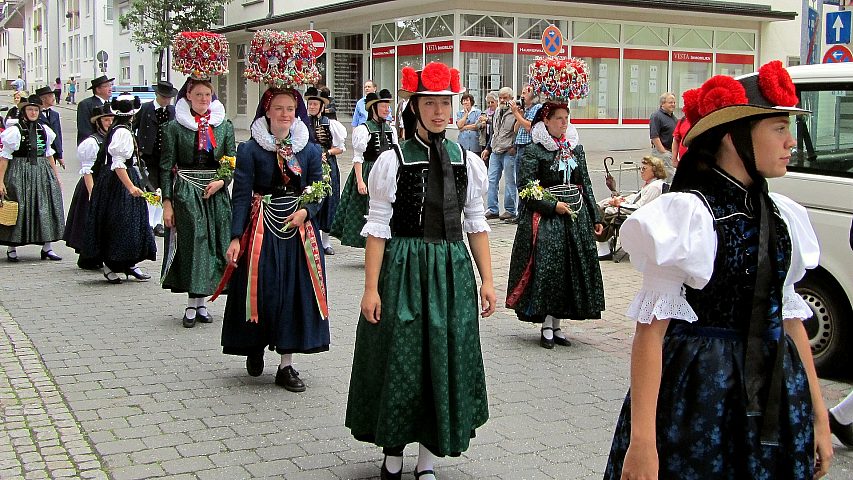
{"x":154,"y":23}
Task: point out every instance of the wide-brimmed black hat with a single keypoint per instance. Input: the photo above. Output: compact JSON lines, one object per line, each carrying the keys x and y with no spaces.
{"x":165,"y":89}
{"x":44,"y":91}
{"x":436,"y":78}
{"x":125,"y":105}
{"x":383,"y":96}
{"x":101,"y":111}
{"x":97,"y":82}
{"x":723,"y":99}
{"x":33,"y":100}
{"x":313,"y":94}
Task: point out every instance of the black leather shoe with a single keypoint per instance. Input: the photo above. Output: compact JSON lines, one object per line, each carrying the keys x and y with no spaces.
{"x":255,"y":364}
{"x":384,"y":474}
{"x":562,"y":341}
{"x":112,"y":278}
{"x":288,"y":378}
{"x":12,"y":259}
{"x":49,"y":255}
{"x":136,"y":273}
{"x":205,"y":317}
{"x":844,"y":433}
{"x":189,"y":322}
{"x":544,"y":342}
{"x":159,"y":231}
{"x":425,"y":472}
{"x":329,"y":251}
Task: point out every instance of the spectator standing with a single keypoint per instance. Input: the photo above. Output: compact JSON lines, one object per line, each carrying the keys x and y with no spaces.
{"x":466,"y":120}
{"x":19,"y":84}
{"x":661,"y":128}
{"x":524,"y":115}
{"x":485,"y":122}
{"x":12,"y":114}
{"x":501,"y":155}
{"x":72,"y":92}
{"x":50,"y":118}
{"x":57,"y":90}
{"x":359,"y":115}
{"x":102,"y":89}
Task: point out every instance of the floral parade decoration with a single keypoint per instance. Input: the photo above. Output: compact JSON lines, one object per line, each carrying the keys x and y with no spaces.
{"x":282,"y":59}
{"x":560,"y":79}
{"x":200,"y":54}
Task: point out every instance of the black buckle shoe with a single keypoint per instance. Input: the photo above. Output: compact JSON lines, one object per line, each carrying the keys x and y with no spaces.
{"x":288,"y":378}
{"x":844,"y":433}
{"x":112,"y":278}
{"x":562,"y":341}
{"x":49,"y":255}
{"x":329,"y":251}
{"x":384,"y":474}
{"x":189,"y":322}
{"x":544,"y":342}
{"x":12,"y":259}
{"x":205,"y":317}
{"x":255,"y":364}
{"x":136,"y":273}
{"x":425,"y":472}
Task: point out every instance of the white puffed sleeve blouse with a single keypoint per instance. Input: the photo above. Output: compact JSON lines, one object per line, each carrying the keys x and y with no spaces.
{"x":673,"y":243}
{"x":11,"y":138}
{"x":360,"y":139}
{"x":120,"y":148}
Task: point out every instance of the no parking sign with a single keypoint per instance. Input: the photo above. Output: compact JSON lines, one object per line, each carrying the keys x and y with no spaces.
{"x":552,"y":41}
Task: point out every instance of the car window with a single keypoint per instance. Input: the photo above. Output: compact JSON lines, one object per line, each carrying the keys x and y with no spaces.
{"x":825,"y":138}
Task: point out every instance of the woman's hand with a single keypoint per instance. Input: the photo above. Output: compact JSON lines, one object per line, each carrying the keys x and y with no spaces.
{"x":233,"y":252}
{"x":598,"y":229}
{"x":487,"y":299}
{"x":641,"y":462}
{"x":2,"y":189}
{"x":168,"y":214}
{"x":822,"y":444}
{"x":212,"y":188}
{"x":362,"y":188}
{"x":135,"y":192}
{"x":297,"y":218}
{"x":371,"y":306}
{"x":562,"y":208}
{"x":485,"y":155}
{"x":616,"y":201}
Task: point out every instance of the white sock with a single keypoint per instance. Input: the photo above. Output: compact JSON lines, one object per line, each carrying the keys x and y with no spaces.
{"x":547,"y":325}
{"x":393,"y":464}
{"x":327,"y":242}
{"x":191,"y":308}
{"x":603,"y":248}
{"x":426,"y":461}
{"x":286,"y":360}
{"x":12,"y":252}
{"x":46,"y":247}
{"x":556,"y":323}
{"x":843,"y":412}
{"x":201,"y":307}
{"x":109,"y":273}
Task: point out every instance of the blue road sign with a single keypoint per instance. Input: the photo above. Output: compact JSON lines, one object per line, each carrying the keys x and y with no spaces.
{"x":838,"y":54}
{"x":838,"y":27}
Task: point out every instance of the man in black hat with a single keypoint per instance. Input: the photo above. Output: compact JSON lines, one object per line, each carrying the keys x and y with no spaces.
{"x":148,"y":128}
{"x":50,"y":117}
{"x":102,"y":87}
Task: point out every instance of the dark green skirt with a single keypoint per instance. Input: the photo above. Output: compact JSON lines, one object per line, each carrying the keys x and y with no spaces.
{"x":41,"y":216}
{"x":203,"y":232}
{"x":417,"y":375}
{"x":350,"y":217}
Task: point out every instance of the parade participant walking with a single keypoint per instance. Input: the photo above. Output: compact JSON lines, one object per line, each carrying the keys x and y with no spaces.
{"x":117,"y":230}
{"x":78,"y":213}
{"x":277,"y":295}
{"x":29,"y":176}
{"x":554,"y":248}
{"x":723,"y":383}
{"x":148,"y":127}
{"x":417,"y":374}
{"x":369,"y":140}
{"x":195,"y":170}
{"x":50,"y":117}
{"x":330,"y":135}
{"x":102,"y":89}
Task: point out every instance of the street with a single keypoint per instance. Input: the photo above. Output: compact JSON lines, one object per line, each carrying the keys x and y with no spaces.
{"x":102,"y":381}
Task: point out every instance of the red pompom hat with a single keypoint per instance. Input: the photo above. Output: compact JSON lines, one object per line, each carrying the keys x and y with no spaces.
{"x":435,"y":79}
{"x":723,"y":99}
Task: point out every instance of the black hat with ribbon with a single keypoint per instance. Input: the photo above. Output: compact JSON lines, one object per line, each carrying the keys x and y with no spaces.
{"x":321,"y":96}
{"x":165,"y":89}
{"x":373,"y":98}
{"x":44,"y":91}
{"x":100,"y":112}
{"x":33,"y":100}
{"x":97,"y":82}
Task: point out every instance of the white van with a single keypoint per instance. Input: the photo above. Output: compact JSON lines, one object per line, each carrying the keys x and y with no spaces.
{"x":820,"y":177}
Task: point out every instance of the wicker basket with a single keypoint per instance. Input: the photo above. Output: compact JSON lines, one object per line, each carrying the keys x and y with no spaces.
{"x":8,"y":212}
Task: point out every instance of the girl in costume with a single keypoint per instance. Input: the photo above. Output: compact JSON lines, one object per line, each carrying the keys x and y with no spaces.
{"x":723,"y":384}
{"x":117,"y":229}
{"x":29,"y":176}
{"x":417,"y":374}
{"x":330,"y":135}
{"x":554,"y":248}
{"x":194,"y":178}
{"x":277,"y":295}
{"x":78,"y":213}
{"x":369,"y":140}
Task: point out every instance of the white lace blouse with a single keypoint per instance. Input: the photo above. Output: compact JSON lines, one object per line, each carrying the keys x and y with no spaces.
{"x":11,"y":138}
{"x":673,"y":243}
{"x":87,"y":152}
{"x":120,"y":148}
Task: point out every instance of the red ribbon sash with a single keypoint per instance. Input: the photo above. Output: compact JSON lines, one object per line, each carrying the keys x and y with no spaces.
{"x":516,"y":293}
{"x":315,"y":267}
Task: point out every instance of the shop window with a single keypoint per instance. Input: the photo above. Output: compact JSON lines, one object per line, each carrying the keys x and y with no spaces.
{"x":645,"y":79}
{"x":532,"y":28}
{"x":441,"y":26}
{"x":383,"y":33}
{"x":349,"y":75}
{"x":439,"y":52}
{"x":692,"y":38}
{"x":734,"y":65}
{"x":491,"y":26}
{"x":602,"y":104}
{"x":348,"y":41}
{"x":527,"y":54}
{"x":597,"y":33}
{"x":736,"y":41}
{"x":384,"y":72}
{"x":646,"y":35}
{"x":242,"y":85}
{"x":486,"y":68}
{"x":689,"y":70}
{"x":410,"y":56}
{"x":410,"y":29}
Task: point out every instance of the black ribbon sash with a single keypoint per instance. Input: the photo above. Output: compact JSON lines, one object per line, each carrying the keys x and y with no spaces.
{"x":441,"y":205}
{"x":32,"y":143}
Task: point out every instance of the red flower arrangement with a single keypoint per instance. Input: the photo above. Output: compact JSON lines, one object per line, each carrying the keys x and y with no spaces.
{"x":435,"y":77}
{"x":718,"y":92}
{"x":282,"y":59}
{"x":200,"y":54}
{"x":691,"y":105}
{"x":409,"y":82}
{"x":565,"y":79}
{"x":776,"y":85}
{"x":455,"y":83}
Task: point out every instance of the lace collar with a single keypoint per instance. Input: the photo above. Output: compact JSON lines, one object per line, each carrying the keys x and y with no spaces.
{"x":541,"y":136}
{"x":262,"y":135}
{"x":185,"y":117}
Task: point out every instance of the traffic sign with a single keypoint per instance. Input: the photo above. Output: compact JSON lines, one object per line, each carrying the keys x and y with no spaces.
{"x":552,"y":41}
{"x":838,"y":27}
{"x":838,"y":54}
{"x":319,"y":42}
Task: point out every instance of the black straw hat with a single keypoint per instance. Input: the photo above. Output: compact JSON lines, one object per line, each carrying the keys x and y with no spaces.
{"x":101,"y":111}
{"x":383,"y":96}
{"x":33,"y":100}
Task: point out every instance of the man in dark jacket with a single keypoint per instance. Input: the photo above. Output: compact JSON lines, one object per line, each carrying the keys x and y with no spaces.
{"x":50,"y":117}
{"x":102,"y":87}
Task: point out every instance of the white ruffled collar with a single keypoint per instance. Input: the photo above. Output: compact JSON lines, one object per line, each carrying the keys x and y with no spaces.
{"x":262,"y":135}
{"x":540,"y":135}
{"x":184,"y":115}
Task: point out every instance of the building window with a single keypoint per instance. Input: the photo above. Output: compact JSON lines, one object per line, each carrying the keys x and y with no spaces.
{"x":533,"y":28}
{"x":90,"y":54}
{"x":735,"y":41}
{"x":645,"y":79}
{"x":121,"y":12}
{"x":595,"y":33}
{"x":124,"y":69}
{"x":485,"y":68}
{"x":348,"y":41}
{"x":441,"y":26}
{"x":220,"y":16}
{"x":383,"y":33}
{"x":602,"y":104}
{"x":646,"y":35}
{"x":492,"y":26}
{"x":222,"y":89}
{"x":384,"y":71}
{"x":108,"y":13}
{"x":242,"y":86}
{"x":411,"y":29}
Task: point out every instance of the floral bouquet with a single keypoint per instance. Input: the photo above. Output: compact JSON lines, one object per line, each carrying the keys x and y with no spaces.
{"x":282,"y":59}
{"x":313,"y":193}
{"x":534,"y":191}
{"x":200,"y":54}
{"x":152,"y":198}
{"x":226,"y":168}
{"x":563,"y":79}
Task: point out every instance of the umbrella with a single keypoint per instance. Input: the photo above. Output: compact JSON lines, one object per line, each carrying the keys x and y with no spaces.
{"x":608,"y":178}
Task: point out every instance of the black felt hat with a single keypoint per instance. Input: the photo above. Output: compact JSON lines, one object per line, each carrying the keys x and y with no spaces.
{"x":313,"y":94}
{"x":97,"y":82}
{"x":44,"y":91}
{"x":383,"y":96}
{"x":165,"y":89}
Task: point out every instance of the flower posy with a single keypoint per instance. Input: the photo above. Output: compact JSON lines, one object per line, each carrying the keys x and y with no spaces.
{"x":282,"y":59}
{"x":226,"y":167}
{"x":152,"y":198}
{"x":313,"y":193}
{"x":200,"y":54}
{"x":560,"y":79}
{"x":534,"y":191}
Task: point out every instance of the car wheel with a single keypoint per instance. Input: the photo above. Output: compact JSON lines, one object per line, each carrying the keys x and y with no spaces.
{"x":828,"y":329}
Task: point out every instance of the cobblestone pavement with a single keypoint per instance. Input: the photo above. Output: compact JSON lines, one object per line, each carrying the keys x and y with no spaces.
{"x":101,"y":381}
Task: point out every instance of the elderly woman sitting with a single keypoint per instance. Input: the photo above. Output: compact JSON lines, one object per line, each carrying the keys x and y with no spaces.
{"x":617,"y":208}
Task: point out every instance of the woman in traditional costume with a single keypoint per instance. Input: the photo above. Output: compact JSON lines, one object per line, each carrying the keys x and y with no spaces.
{"x":277,"y":294}
{"x":30,"y":176}
{"x":369,"y":140}
{"x":195,"y":170}
{"x":554,"y":272}
{"x":417,"y":374}
{"x":723,"y":383}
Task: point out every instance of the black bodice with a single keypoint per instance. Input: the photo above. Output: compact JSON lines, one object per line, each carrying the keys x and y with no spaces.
{"x":726,"y":301}
{"x":31,"y":148}
{"x":322,"y":132}
{"x":375,"y":147}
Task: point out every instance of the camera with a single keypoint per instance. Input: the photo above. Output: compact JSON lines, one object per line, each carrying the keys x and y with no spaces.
{"x":519,"y":102}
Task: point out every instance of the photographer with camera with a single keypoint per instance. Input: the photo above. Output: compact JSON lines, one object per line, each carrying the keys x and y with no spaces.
{"x":501,"y":157}
{"x":524,"y":109}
